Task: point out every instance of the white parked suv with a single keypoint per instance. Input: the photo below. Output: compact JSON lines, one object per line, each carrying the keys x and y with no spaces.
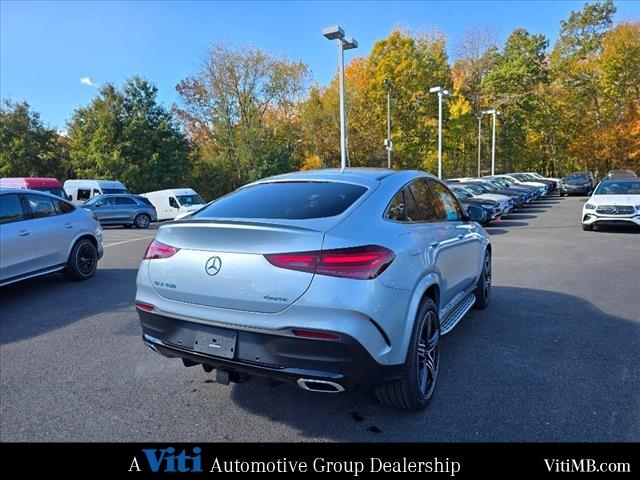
{"x":614,"y":202}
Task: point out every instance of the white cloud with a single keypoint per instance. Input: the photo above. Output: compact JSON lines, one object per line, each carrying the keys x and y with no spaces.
{"x":87,"y":81}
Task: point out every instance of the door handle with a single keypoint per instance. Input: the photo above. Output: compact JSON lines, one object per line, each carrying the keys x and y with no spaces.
{"x":68,"y":225}
{"x":460,"y":235}
{"x":24,"y":233}
{"x":434,"y":244}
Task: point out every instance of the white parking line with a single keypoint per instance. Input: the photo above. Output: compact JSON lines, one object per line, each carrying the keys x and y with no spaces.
{"x":128,"y":241}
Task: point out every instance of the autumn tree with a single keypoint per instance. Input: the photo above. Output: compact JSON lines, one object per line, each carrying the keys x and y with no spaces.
{"x":241,"y":108}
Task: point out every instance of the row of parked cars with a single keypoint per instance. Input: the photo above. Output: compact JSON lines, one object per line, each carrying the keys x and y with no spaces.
{"x":112,"y":203}
{"x":499,"y":195}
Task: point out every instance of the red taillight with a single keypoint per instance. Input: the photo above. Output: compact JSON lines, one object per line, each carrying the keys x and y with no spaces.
{"x":157,"y":249}
{"x":363,"y":263}
{"x":315,"y":334}
{"x":145,"y":306}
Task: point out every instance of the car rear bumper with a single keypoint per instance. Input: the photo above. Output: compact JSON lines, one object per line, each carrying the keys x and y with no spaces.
{"x":278,"y":355}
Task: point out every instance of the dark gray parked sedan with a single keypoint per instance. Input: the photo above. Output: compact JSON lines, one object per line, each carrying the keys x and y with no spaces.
{"x":124,"y":210}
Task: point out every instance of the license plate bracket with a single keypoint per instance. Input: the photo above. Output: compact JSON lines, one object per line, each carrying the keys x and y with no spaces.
{"x":216,"y":342}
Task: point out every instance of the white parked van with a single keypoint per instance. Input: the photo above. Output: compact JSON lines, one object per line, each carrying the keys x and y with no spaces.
{"x":174,"y":201}
{"x":82,"y":190}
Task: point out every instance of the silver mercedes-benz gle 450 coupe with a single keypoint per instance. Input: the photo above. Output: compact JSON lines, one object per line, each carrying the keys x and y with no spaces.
{"x":329,"y":280}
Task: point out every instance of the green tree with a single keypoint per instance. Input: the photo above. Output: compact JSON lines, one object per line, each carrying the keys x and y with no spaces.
{"x":511,"y":87}
{"x":126,"y":134}
{"x":27,"y":147}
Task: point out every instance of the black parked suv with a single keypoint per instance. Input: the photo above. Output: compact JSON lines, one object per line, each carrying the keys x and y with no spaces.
{"x":580,"y":183}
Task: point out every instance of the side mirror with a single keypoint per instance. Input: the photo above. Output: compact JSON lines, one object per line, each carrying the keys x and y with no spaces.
{"x":476,"y":214}
{"x":69,"y":197}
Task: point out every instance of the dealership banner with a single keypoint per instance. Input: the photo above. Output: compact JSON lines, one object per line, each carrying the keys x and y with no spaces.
{"x":302,"y":459}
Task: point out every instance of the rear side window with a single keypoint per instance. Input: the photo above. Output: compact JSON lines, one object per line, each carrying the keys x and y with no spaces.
{"x":41,"y":206}
{"x":285,"y":200}
{"x":145,"y":201}
{"x":125,"y":201}
{"x":395,"y":211}
{"x":429,"y":208}
{"x":84,"y":194}
{"x":63,"y":207}
{"x":450,"y":205}
{"x":10,"y":209}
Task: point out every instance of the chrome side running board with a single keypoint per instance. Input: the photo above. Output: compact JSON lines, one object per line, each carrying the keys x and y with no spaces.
{"x":457,"y":314}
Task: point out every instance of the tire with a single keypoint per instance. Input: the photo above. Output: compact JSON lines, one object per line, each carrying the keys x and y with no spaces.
{"x":142,"y":220}
{"x":483,"y":287}
{"x":82,"y":262}
{"x":419,"y":373}
{"x":587,"y":228}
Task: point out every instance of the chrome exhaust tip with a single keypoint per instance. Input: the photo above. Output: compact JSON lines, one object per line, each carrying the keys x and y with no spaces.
{"x":319,"y":386}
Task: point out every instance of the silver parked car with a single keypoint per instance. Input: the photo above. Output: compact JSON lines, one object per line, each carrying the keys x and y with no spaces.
{"x":325,"y":279}
{"x":40,"y":233}
{"x":120,"y":209}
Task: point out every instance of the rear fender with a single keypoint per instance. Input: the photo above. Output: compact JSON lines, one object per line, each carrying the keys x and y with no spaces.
{"x":416,"y":299}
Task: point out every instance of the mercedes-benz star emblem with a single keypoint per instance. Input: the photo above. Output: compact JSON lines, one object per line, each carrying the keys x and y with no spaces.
{"x":213,"y":265}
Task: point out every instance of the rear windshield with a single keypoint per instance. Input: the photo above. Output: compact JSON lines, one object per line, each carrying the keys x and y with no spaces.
{"x":57,"y":191}
{"x":619,"y":188}
{"x":113,"y":190}
{"x":285,"y":200}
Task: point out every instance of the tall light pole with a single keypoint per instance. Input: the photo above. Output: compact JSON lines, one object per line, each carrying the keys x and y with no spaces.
{"x":388,"y":143}
{"x":441,"y":93}
{"x":494,"y":113}
{"x":479,"y":142}
{"x":344,"y":43}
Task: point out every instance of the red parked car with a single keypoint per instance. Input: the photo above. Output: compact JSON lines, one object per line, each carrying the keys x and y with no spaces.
{"x":50,"y":185}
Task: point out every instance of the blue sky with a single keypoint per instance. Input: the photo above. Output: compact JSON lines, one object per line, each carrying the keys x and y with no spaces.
{"x":47,"y":47}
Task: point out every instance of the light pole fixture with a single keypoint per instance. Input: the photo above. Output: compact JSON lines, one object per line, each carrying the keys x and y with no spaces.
{"x":441,"y":93}
{"x":479,"y":143}
{"x":493,"y":113}
{"x":344,"y":43}
{"x":388,"y":143}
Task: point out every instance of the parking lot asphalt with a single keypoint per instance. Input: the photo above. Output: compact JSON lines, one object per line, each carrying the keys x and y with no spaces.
{"x":555,"y":357}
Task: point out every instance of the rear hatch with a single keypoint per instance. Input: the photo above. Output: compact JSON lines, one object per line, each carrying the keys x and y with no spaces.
{"x":222,"y":264}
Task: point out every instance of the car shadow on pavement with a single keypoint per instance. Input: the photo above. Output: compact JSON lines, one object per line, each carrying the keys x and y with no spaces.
{"x":621,"y":229}
{"x":39,"y":305}
{"x":534,"y":366}
{"x":511,"y":223}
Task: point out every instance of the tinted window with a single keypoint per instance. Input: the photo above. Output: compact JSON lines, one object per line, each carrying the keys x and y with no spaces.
{"x":41,"y":206}
{"x":577,"y":176}
{"x":395,"y":211}
{"x":428,"y":207}
{"x":451,"y":207}
{"x":107,"y":201}
{"x":10,"y":209}
{"x":173,"y":202}
{"x":612,"y":187}
{"x":286,"y":200}
{"x":63,"y":207}
{"x":57,"y":191}
{"x":106,"y":191}
{"x":84,"y":194}
{"x":186,"y":200}
{"x":145,"y":201}
{"x":125,"y":201}
{"x":413,"y":214}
